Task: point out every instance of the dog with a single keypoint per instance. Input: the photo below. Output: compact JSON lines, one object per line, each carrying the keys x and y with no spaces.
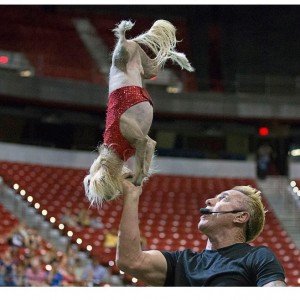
{"x":129,"y":112}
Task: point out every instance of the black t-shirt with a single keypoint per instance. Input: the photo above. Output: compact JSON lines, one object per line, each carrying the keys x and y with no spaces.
{"x":236,"y":265}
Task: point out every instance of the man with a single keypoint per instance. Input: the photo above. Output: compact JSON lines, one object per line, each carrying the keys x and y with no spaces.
{"x":96,"y":274}
{"x":230,"y":220}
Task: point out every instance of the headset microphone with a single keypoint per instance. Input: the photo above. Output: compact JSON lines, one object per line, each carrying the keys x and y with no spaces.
{"x":206,"y":211}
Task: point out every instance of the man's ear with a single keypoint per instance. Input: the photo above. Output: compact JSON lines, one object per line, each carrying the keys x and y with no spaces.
{"x":242,"y":217}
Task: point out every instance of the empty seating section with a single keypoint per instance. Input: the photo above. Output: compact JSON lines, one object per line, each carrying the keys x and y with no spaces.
{"x":105,"y":23}
{"x":54,"y":48}
{"x":169,"y":211}
{"x":50,"y":42}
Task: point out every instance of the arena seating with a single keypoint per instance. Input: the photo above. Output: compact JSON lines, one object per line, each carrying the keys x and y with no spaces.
{"x":7,"y":222}
{"x":53,"y":47}
{"x":106,"y":23}
{"x":297,"y":181}
{"x":169,"y":211}
{"x":50,"y":42}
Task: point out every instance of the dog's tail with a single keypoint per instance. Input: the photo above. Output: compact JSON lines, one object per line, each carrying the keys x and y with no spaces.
{"x":121,"y":28}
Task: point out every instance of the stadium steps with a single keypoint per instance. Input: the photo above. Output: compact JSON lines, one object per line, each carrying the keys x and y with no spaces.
{"x":276,"y":191}
{"x":94,"y":44}
{"x":27,"y":214}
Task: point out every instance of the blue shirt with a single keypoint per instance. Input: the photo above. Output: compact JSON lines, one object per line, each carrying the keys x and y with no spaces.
{"x":57,"y":279}
{"x":99,"y":273}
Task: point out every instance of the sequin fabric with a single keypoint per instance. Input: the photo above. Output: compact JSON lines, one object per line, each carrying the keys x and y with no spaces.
{"x":118,"y":102}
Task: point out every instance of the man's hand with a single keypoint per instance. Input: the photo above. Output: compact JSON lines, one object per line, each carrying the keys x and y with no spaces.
{"x":130,"y":190}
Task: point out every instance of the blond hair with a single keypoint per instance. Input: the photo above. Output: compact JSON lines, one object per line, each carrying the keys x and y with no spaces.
{"x":104,"y":181}
{"x":256,"y":210}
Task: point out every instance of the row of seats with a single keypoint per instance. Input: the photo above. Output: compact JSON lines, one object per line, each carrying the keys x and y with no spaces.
{"x":169,"y":210}
{"x":50,"y":42}
{"x":106,"y":23}
{"x":54,"y":48}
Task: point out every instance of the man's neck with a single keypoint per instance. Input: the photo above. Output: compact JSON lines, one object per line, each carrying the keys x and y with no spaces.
{"x":215,"y":243}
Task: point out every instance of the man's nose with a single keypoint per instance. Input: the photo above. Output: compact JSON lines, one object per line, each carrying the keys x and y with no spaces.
{"x":210,"y":202}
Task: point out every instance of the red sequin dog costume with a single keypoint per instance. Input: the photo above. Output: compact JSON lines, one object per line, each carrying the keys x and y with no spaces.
{"x":118,"y":102}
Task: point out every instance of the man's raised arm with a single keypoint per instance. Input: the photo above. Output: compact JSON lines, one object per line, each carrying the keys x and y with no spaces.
{"x":147,"y":266}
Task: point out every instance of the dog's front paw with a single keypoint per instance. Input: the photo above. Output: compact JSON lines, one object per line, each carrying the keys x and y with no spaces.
{"x":139,"y":181}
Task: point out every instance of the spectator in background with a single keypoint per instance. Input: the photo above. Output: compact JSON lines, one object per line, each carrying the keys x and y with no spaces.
{"x":264,"y":155}
{"x":55,"y":277}
{"x":84,"y":219}
{"x":78,"y":270}
{"x":21,"y":274}
{"x":2,"y":273}
{"x":18,"y":237}
{"x":35,"y":275}
{"x":96,"y":222}
{"x":33,"y":240}
{"x":66,"y":270}
{"x":95,"y":274}
{"x":49,"y":256}
{"x":8,"y":269}
{"x":111,"y":238}
{"x":70,"y":256}
{"x":68,"y":218}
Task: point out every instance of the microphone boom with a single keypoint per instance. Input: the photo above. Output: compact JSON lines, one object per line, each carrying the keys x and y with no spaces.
{"x":206,"y":211}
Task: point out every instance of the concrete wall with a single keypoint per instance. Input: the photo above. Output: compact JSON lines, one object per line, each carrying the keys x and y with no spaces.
{"x":162,"y":165}
{"x":68,"y":92}
{"x":294,"y":170}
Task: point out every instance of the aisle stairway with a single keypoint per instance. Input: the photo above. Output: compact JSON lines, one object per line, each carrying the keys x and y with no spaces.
{"x":23,"y":212}
{"x":276,"y":191}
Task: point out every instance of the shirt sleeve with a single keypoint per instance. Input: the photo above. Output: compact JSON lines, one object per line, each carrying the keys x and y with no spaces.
{"x":171,"y":258}
{"x":267,"y":266}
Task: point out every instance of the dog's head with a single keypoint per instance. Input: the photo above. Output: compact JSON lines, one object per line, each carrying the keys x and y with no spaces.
{"x":104,"y":181}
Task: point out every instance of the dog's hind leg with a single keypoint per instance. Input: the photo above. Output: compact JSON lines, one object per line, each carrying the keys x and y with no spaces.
{"x":144,"y":153}
{"x":135,"y":124}
{"x":151,"y":144}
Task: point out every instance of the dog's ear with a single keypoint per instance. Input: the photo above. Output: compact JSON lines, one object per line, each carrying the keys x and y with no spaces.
{"x":86,"y":184}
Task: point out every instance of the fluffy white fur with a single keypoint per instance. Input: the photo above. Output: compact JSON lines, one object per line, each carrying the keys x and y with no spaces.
{"x":161,"y":40}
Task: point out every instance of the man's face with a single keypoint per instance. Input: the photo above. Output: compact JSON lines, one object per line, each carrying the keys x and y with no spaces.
{"x":225,"y":201}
